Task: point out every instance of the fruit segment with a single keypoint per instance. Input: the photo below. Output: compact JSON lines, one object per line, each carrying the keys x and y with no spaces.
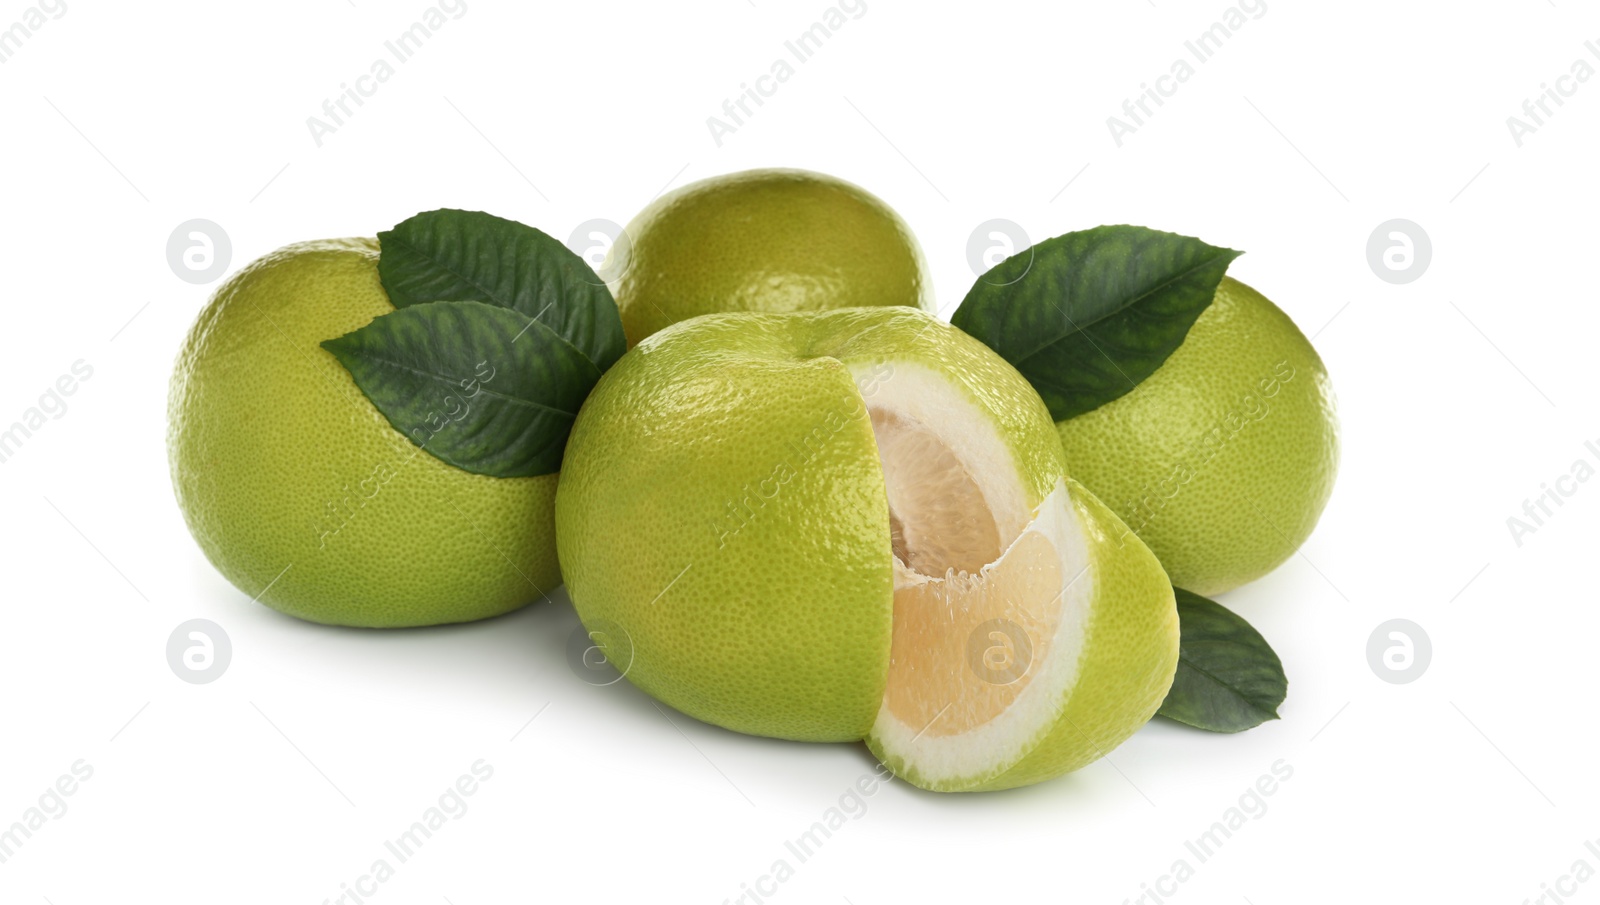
{"x":1034,"y":666}
{"x":993,"y":607}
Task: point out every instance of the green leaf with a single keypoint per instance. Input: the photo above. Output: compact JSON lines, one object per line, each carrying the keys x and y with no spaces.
{"x":1228,"y":680}
{"x":459,"y":255}
{"x":1088,"y":315}
{"x":483,"y":388}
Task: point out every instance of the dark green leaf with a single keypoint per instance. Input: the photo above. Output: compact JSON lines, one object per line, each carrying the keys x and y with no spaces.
{"x":1228,"y":677}
{"x":485,"y":389}
{"x":453,"y":255}
{"x":1088,"y":315}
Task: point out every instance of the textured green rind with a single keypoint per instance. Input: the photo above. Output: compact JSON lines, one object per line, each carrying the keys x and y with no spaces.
{"x":271,"y":444}
{"x":1249,"y":504}
{"x":751,"y":601}
{"x":772,"y":241}
{"x":1129,"y":657}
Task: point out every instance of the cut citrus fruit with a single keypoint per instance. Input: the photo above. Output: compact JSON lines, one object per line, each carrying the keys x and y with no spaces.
{"x":836,"y":523}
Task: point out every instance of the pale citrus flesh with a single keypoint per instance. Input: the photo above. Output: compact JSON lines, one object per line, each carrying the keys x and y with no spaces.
{"x":940,"y":521}
{"x":304,"y":496}
{"x":1011,"y":608}
{"x":770,"y":240}
{"x":1223,"y":459}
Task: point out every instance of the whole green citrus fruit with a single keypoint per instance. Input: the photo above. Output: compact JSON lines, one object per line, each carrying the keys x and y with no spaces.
{"x":298,"y":489}
{"x":1222,"y":460}
{"x":763,"y":240}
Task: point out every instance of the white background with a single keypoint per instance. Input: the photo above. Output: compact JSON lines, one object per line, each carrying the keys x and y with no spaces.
{"x":1461,"y":394}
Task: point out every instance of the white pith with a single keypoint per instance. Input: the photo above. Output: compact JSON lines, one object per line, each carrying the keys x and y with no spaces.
{"x":918,"y":399}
